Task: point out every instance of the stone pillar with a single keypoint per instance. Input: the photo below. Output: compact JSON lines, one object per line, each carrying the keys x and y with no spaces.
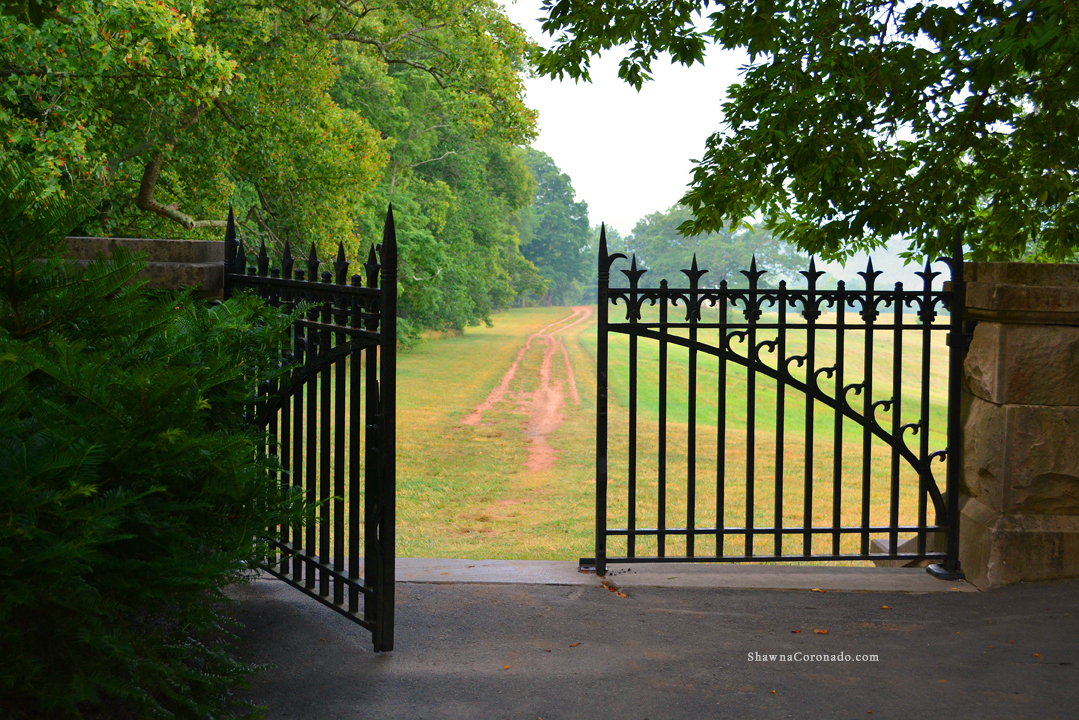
{"x":1020,"y":506}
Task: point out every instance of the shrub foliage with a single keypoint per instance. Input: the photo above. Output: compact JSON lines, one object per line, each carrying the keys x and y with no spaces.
{"x":131,"y":491}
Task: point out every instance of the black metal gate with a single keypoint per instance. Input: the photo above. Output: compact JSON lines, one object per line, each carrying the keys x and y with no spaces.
{"x":331,"y":424}
{"x":752,"y":443}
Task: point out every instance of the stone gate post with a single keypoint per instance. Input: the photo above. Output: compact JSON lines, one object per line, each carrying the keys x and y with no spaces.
{"x":1020,"y":485}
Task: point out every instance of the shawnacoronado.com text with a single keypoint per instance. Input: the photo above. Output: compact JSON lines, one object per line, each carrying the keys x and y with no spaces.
{"x":806,"y":657}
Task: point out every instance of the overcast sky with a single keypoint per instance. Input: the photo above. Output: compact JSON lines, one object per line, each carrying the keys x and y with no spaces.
{"x":630,"y":154}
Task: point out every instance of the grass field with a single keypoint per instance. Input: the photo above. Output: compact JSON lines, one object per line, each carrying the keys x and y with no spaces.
{"x":465,"y":491}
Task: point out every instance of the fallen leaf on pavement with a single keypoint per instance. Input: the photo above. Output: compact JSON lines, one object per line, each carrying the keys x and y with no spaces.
{"x":621,"y":594}
{"x":505,"y":667}
{"x":796,"y":631}
{"x":546,"y":650}
{"x":816,"y":590}
{"x":772,"y":691}
{"x":575,"y":644}
{"x":1037,"y":655}
{"x":821,"y":632}
{"x":885,"y":607}
{"x":942,"y":681}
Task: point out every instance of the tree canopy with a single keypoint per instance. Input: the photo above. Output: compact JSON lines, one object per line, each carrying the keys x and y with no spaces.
{"x":661,"y":249}
{"x":554,"y":230}
{"x":307,"y":117}
{"x":860,"y":120}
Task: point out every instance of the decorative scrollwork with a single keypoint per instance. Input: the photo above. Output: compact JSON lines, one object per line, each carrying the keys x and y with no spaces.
{"x":856,"y":387}
{"x":913,"y":427}
{"x":829,"y":371}
{"x":885,"y":404}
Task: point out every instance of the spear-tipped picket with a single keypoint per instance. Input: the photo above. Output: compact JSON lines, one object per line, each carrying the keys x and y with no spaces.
{"x":753,"y":274}
{"x":312,"y":263}
{"x":241,"y":257}
{"x":371,"y":268}
{"x":340,"y":265}
{"x":230,"y":243}
{"x":633,"y":273}
{"x":870,"y":276}
{"x":694,"y":274}
{"x":287,"y":261}
{"x":693,"y":311}
{"x":605,"y":258}
{"x":263,"y":260}
{"x":811,"y":308}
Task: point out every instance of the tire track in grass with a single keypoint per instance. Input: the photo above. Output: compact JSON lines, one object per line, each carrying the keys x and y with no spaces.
{"x":543,"y":406}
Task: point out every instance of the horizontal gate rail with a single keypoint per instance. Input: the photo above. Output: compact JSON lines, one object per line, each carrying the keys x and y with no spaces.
{"x":331,"y":424}
{"x":781,"y":340}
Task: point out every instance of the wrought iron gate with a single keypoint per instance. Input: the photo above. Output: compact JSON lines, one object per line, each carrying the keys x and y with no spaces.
{"x":798,"y":345}
{"x":331,"y":424}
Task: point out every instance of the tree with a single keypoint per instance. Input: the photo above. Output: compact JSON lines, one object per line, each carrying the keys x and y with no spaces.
{"x":454,"y":174}
{"x":308,"y":117}
{"x":665,"y":252}
{"x":161,"y":114}
{"x":554,"y":230}
{"x":857,"y":121}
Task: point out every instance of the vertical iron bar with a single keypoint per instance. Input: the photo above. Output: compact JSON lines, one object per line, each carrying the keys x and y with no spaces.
{"x":603,"y":282}
{"x":314,"y":349}
{"x":371,"y":450}
{"x":693,"y":315}
{"x":781,"y":412}
{"x":286,"y":434}
{"x":897,"y":405}
{"x":298,"y":457}
{"x":751,"y":431}
{"x":869,"y":316}
{"x":325,"y":440}
{"x":811,"y":314}
{"x":956,"y":350}
{"x":926,"y":315}
{"x":356,"y":422}
{"x":662,"y":523}
{"x":837,"y":438}
{"x":721,"y":421}
{"x":387,"y":440}
{"x":340,"y":418}
{"x":632,"y":490}
{"x":230,"y":255}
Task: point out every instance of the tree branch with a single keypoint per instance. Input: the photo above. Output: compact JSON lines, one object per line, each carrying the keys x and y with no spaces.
{"x":145,"y":199}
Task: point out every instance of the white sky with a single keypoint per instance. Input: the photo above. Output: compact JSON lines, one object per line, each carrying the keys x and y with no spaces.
{"x":630,"y":154}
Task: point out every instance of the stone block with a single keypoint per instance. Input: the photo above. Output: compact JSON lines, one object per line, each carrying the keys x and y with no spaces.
{"x":934,"y":542}
{"x":1023,"y":293}
{"x":1022,"y":458}
{"x":997,"y":549}
{"x":1024,"y":364}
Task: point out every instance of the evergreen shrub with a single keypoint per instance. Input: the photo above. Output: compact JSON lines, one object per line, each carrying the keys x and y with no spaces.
{"x":131,"y":490}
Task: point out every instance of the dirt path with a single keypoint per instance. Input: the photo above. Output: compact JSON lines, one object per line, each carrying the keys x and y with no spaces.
{"x":543,"y":405}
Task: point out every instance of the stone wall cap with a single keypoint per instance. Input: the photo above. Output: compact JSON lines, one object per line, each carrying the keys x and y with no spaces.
{"x":156,"y":250}
{"x":1018,"y":273}
{"x":1038,"y":293}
